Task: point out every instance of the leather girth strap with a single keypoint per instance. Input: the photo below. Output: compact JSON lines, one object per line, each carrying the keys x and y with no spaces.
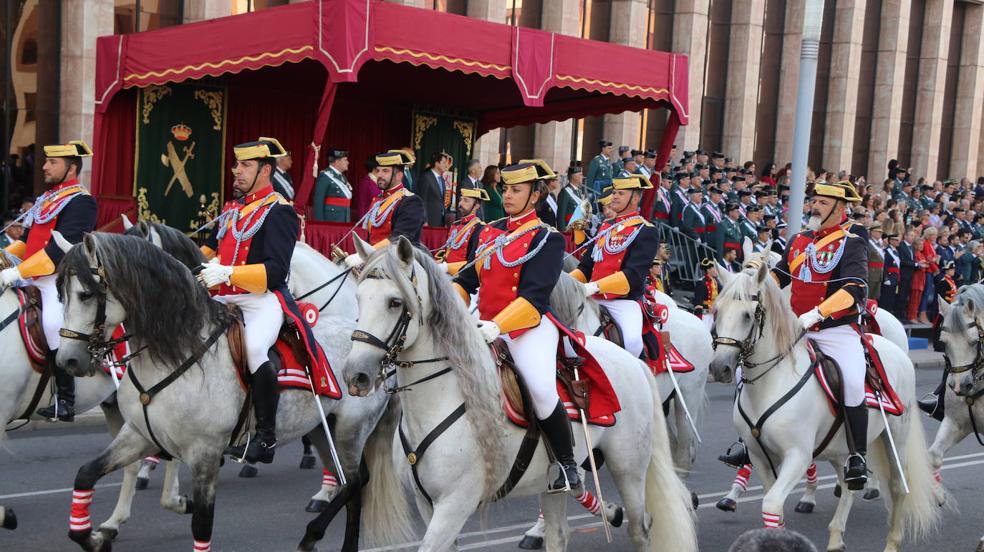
{"x":756,"y":427}
{"x":147,"y":395}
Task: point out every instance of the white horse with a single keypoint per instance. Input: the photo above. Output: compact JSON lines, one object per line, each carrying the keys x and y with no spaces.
{"x":755,"y":323}
{"x":963,"y":338}
{"x":405,"y":300}
{"x":174,"y":324}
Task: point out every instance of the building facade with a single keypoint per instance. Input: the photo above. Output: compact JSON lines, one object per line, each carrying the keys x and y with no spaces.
{"x":900,"y":79}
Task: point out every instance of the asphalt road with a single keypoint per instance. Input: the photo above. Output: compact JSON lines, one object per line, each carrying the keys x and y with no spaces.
{"x":267,"y":513}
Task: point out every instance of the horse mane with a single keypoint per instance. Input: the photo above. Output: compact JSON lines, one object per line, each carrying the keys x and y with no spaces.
{"x":455,"y":334}
{"x":956,"y":320}
{"x":744,"y":286}
{"x":173,"y":241}
{"x":167,"y":310}
{"x":567,"y":299}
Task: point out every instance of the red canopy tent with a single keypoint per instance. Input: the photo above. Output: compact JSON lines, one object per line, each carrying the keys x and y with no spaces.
{"x":349,"y":72}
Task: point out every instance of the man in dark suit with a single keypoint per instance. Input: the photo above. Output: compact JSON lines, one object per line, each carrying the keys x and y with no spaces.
{"x":432,"y":188}
{"x":907,"y":265}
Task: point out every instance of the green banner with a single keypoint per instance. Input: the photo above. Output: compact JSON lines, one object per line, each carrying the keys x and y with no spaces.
{"x":180,"y":154}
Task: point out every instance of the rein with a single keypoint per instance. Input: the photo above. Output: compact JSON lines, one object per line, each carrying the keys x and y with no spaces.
{"x":98,"y":346}
{"x":746,"y":346}
{"x":343,"y":275}
{"x":975,"y":367}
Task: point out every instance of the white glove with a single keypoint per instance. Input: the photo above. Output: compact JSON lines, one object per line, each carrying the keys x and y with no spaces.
{"x":214,"y":274}
{"x":810,"y":318}
{"x":489,"y":330}
{"x":591,"y":288}
{"x":353,"y":261}
{"x":9,"y":275}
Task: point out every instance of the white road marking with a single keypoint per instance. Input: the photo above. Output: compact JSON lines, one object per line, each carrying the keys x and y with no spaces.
{"x":53,"y":491}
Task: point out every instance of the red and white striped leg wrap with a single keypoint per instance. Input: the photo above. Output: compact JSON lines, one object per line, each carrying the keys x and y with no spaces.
{"x":811,"y":475}
{"x":938,"y":477}
{"x":328,"y":479}
{"x":589,"y":501}
{"x":772,"y":521}
{"x":741,"y":479}
{"x":153,"y":460}
{"x":203,"y":546}
{"x":79,"y":520}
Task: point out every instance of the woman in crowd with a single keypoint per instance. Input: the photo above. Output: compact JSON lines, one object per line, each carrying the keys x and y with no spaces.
{"x":918,"y":284}
{"x":492,"y":209}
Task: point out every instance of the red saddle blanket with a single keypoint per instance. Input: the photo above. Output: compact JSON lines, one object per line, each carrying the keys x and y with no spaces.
{"x":29,"y":323}
{"x":602,"y":404}
{"x":660,"y":352}
{"x":889,"y":400}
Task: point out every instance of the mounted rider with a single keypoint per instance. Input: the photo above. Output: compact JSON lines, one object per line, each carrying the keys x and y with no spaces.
{"x":463,"y":233}
{"x":68,"y":208}
{"x":706,"y":292}
{"x":613,"y":269}
{"x":396,"y":211}
{"x":250,"y":250}
{"x":519,"y":262}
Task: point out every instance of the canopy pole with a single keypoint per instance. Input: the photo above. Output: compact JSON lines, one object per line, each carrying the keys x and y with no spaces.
{"x":662,"y":157}
{"x":311,"y":150}
{"x":804,"y":112}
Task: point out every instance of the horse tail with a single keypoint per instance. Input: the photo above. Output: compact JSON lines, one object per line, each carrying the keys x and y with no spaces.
{"x":920,"y":509}
{"x":667,"y":498}
{"x":386,"y":511}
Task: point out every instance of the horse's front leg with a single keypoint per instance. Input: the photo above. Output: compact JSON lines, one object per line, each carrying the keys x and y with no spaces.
{"x":171,"y":497}
{"x":205,"y":475}
{"x":128,"y":447}
{"x":111,"y":527}
{"x":808,"y":501}
{"x":949,"y":434}
{"x":838,"y":523}
{"x":794,"y":463}
{"x":448,"y":516}
{"x":555,"y":521}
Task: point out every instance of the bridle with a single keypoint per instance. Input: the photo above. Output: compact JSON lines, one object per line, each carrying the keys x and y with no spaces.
{"x":98,"y":346}
{"x":395,"y":342}
{"x":976,"y":365}
{"x":746,"y":346}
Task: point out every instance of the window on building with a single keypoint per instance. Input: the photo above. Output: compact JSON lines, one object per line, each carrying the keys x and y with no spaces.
{"x":146,"y":15}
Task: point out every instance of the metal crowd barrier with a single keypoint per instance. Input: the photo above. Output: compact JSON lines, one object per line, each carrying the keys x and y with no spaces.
{"x":685,"y":253}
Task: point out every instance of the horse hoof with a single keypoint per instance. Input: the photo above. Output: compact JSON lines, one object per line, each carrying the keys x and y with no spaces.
{"x":694,"y":501}
{"x":841,"y":548}
{"x":249,"y":471}
{"x":316,"y":506}
{"x":804,"y":507}
{"x":9,"y":519}
{"x":980,"y":547}
{"x":871,"y":494}
{"x":307,"y":462}
{"x":727,"y":505}
{"x":307,"y":545}
{"x":531,"y":543}
{"x":837,"y":491}
{"x":189,"y":505}
{"x":142,"y":483}
{"x":109,"y":533}
{"x":617,"y":518}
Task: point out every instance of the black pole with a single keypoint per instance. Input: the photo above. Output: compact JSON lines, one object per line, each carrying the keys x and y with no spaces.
{"x":8,"y":22}
{"x":136,"y":17}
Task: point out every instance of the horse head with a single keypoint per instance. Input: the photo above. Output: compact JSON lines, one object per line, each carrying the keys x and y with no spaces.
{"x":393,"y":299}
{"x":91,"y":310}
{"x":961,"y":335}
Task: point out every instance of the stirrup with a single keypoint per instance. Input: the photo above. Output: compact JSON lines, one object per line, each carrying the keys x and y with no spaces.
{"x":552,"y":488}
{"x":736,"y":455}
{"x":856,"y":481}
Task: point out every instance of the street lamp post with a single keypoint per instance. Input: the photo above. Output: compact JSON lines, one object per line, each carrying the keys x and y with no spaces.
{"x":812,"y":21}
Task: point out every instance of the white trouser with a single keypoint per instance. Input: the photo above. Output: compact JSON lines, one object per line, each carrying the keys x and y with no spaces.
{"x":628,"y":315}
{"x":535,"y":355}
{"x":843,"y":344}
{"x":52,"y":311}
{"x":708,"y":319}
{"x":262,"y":319}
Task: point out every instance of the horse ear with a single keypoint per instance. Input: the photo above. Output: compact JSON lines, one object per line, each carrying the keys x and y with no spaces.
{"x":763,"y":272}
{"x":746,"y":248}
{"x":969,"y":308}
{"x":725,"y":275}
{"x":60,"y":240}
{"x":127,"y":224}
{"x":154,"y":237}
{"x":944,"y":306}
{"x":362,"y":247}
{"x":404,"y":250}
{"x":89,"y":246}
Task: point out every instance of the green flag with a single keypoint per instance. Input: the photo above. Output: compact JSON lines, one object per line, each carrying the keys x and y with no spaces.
{"x":180,"y":153}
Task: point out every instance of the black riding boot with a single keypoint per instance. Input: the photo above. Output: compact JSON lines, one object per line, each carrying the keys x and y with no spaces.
{"x":557,"y":431}
{"x":266,"y":395}
{"x":856,"y":471}
{"x":933,"y":404}
{"x":736,"y":456}
{"x":63,"y":409}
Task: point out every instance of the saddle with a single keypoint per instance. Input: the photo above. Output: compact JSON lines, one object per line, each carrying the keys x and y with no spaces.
{"x":660,"y":353}
{"x":868,"y":317}
{"x":876,"y":383}
{"x":575,"y":394}
{"x":289,"y":353}
{"x":32,"y":333}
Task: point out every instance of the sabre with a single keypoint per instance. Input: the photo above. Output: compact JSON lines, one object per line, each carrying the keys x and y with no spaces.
{"x":594,"y":466}
{"x":683,"y":403}
{"x":891,"y":441}
{"x":324,"y":424}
